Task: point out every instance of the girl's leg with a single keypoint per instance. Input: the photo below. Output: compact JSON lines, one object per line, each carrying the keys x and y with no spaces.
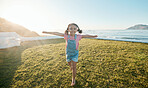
{"x":73,"y":72}
{"x":69,"y":63}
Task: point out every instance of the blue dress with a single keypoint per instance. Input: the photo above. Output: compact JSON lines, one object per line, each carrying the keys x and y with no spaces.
{"x":71,"y":52}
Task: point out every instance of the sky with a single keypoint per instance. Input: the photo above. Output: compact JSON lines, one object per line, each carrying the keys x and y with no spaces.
{"x":55,"y":15}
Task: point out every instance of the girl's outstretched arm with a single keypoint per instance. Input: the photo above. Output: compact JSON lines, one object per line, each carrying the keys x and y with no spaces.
{"x":89,"y":36}
{"x":54,"y":33}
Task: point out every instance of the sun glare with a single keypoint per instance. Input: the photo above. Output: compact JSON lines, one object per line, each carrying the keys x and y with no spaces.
{"x":37,"y":16}
{"x":31,"y":17}
{"x":21,"y":14}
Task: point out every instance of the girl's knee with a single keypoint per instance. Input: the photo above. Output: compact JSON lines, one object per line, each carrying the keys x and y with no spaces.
{"x":73,"y":62}
{"x":74,"y":66}
{"x":69,"y":62}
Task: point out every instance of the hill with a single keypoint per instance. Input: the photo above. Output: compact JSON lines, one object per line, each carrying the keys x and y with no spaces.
{"x":138,"y":27}
{"x":6,"y":26}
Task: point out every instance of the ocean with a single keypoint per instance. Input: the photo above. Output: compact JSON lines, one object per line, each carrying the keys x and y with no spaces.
{"x":120,"y":35}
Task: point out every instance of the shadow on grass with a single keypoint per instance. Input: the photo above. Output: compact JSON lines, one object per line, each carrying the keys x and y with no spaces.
{"x":78,"y":85}
{"x":10,"y":59}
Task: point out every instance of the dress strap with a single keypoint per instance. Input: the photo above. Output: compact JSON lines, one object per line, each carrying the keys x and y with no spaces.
{"x":74,"y":37}
{"x":68,"y":37}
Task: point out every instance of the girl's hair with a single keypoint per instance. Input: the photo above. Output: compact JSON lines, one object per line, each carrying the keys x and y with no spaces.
{"x":80,"y":31}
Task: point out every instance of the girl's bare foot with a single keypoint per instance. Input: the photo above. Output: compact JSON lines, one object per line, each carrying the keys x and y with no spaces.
{"x":73,"y":82}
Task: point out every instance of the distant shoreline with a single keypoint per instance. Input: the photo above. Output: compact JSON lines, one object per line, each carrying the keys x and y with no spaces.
{"x":121,"y":40}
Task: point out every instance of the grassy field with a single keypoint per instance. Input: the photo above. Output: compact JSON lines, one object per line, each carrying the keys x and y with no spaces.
{"x":102,"y":63}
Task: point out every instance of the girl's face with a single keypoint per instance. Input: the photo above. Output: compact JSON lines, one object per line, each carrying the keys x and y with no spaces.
{"x":72,"y":29}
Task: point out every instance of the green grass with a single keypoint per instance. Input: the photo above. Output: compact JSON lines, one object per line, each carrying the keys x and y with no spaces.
{"x":101,"y":63}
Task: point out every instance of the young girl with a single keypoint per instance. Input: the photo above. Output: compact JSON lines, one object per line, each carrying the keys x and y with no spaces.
{"x":72,"y":44}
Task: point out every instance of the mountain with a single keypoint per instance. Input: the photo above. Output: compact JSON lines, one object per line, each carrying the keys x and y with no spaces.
{"x":138,"y":27}
{"x":6,"y":26}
